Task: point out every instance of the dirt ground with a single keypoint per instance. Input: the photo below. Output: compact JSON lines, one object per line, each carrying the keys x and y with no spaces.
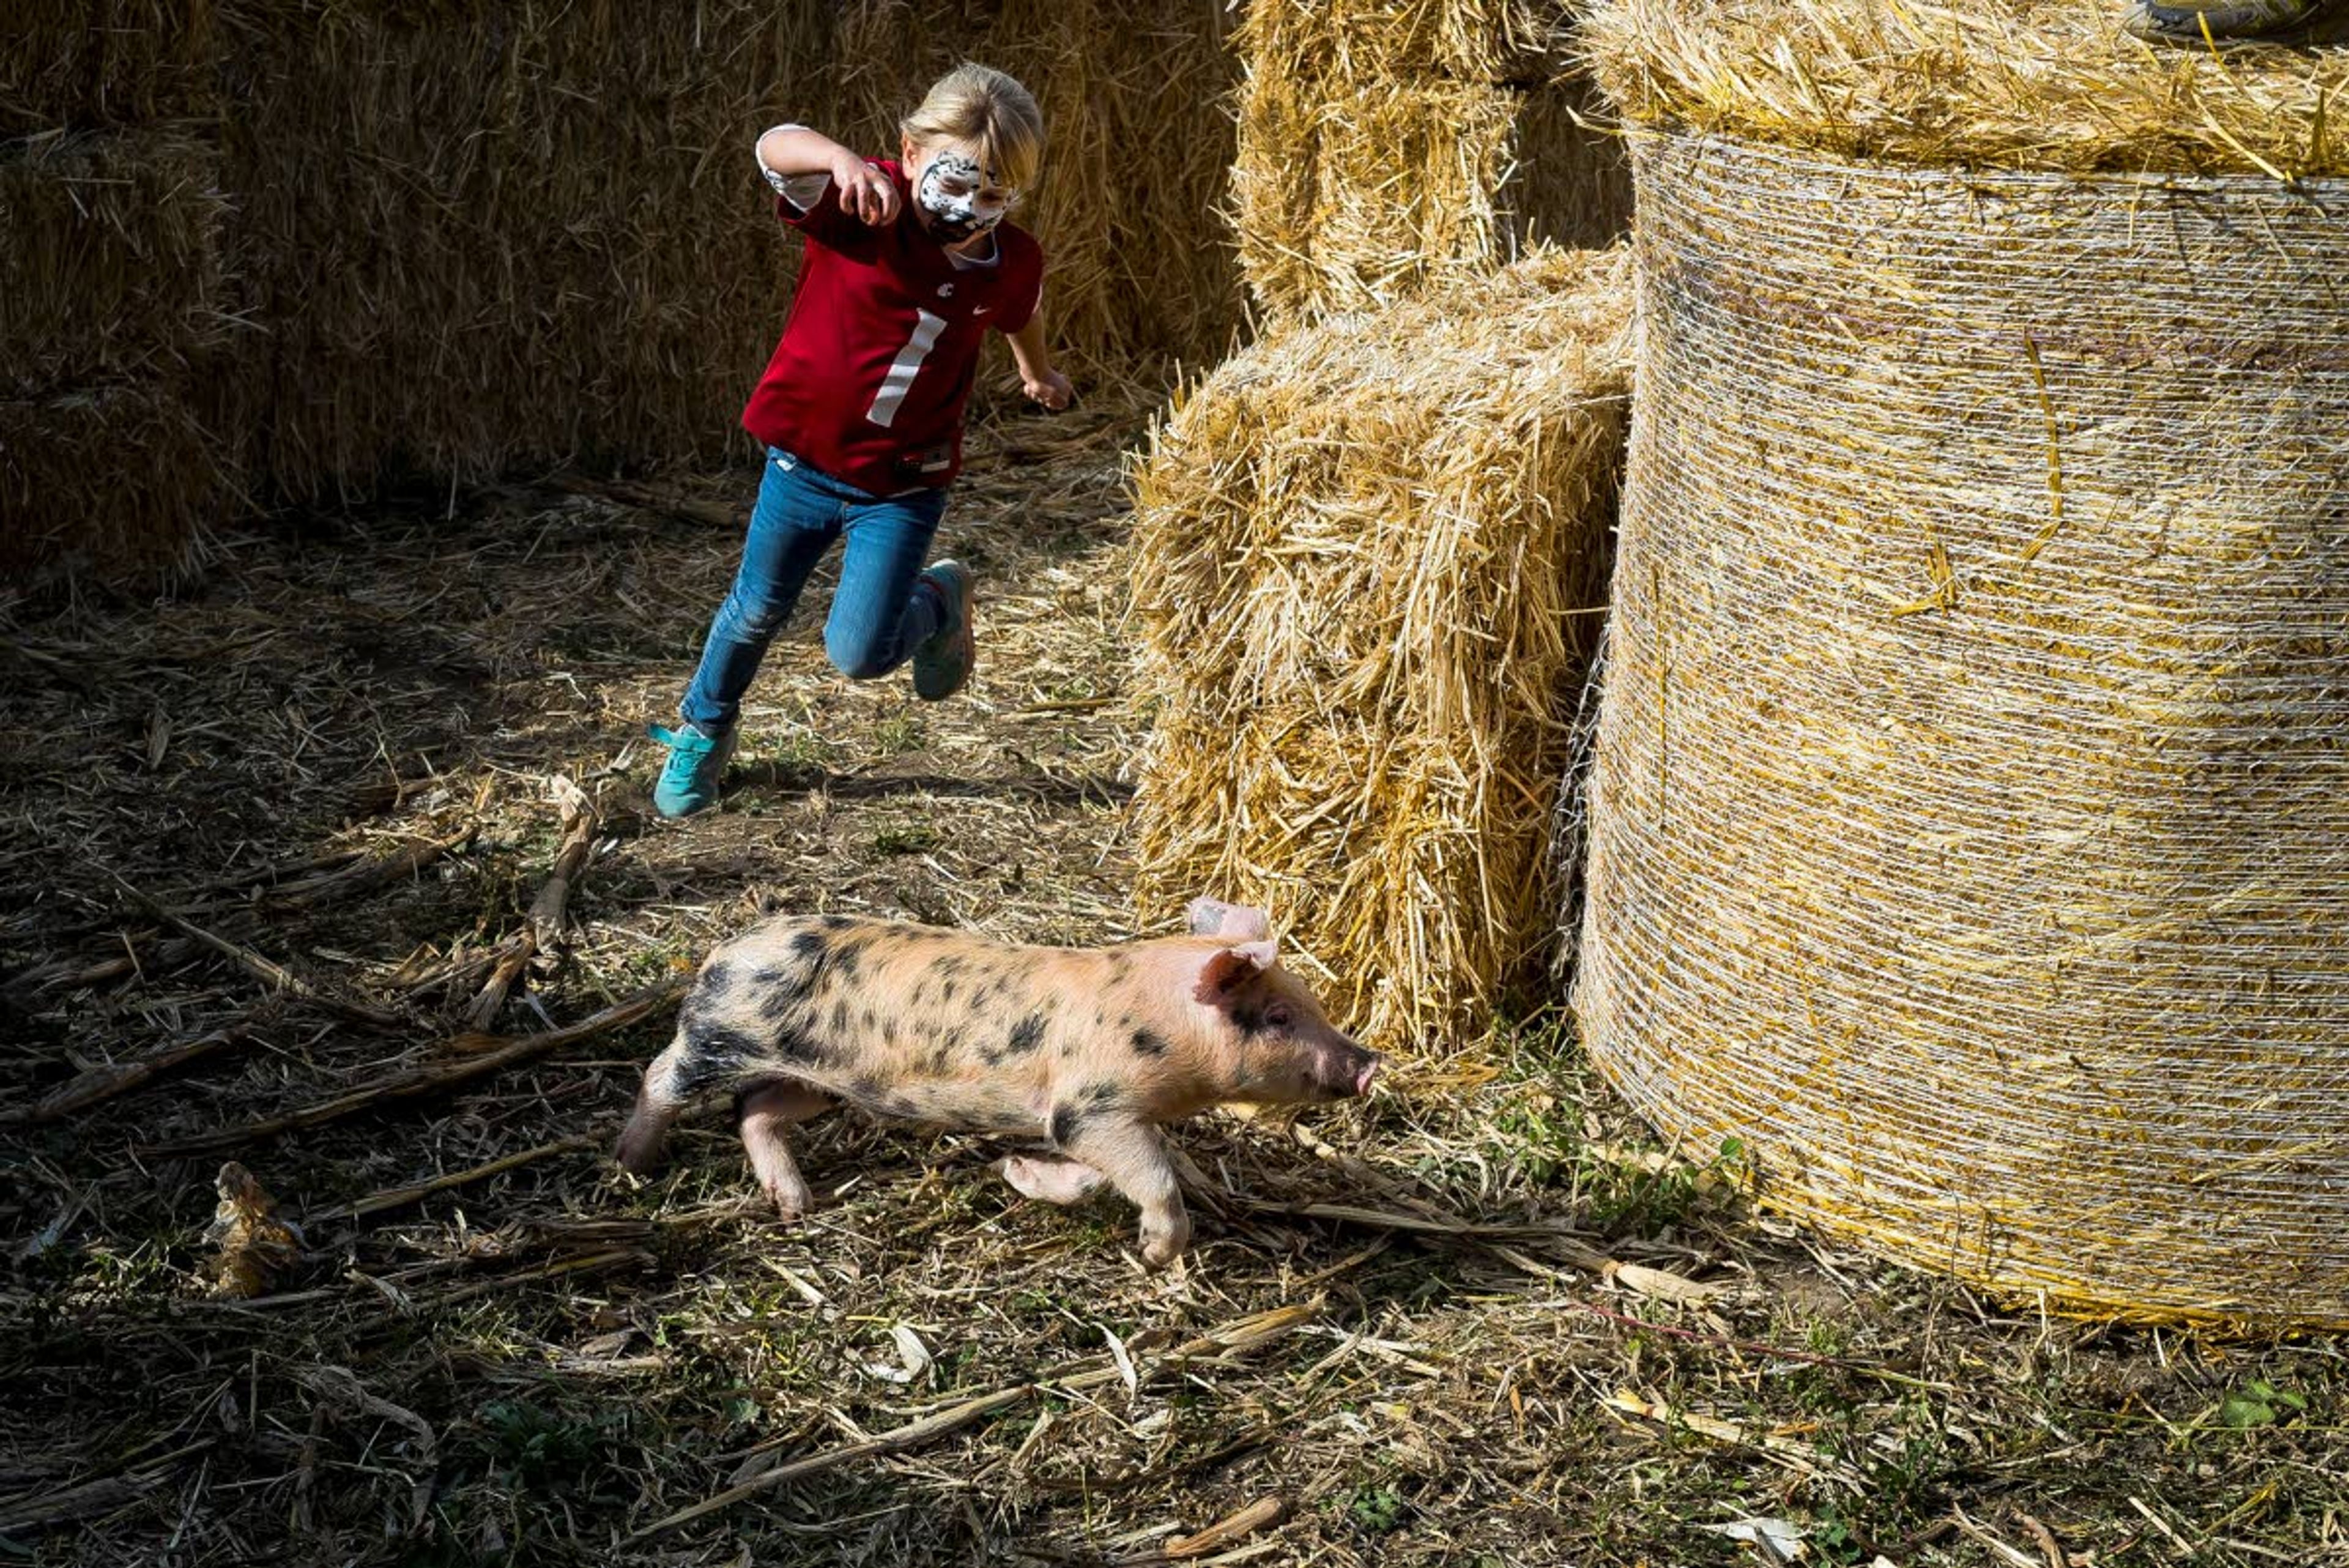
{"x":269,"y":839}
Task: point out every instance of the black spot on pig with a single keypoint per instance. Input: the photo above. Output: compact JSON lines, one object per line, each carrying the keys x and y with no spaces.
{"x":951,"y":965}
{"x":845,"y":958}
{"x":945,"y":992}
{"x":1100,"y":1096}
{"x":807,"y":947}
{"x":1120,"y":966}
{"x":939,"y":1061}
{"x":789,"y":994}
{"x":1026,"y":1035}
{"x":840,"y":1016}
{"x":836,"y":922}
{"x":1148,"y":1043}
{"x":715,"y":1055}
{"x":1066,"y":1124}
{"x":715,"y":978}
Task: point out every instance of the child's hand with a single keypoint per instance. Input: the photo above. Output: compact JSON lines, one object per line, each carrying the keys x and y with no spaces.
{"x":1051,"y":388}
{"x":864,"y":191}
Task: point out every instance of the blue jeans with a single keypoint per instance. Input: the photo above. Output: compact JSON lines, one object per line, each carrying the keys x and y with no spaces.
{"x":880,"y":613}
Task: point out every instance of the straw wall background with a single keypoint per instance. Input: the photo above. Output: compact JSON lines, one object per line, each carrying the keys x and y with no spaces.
{"x":1969,"y":816}
{"x":98,"y":64}
{"x":1365,"y":552}
{"x":113,"y":264}
{"x":1387,"y":145}
{"x":475,"y":244}
{"x":113,"y":313}
{"x":458,"y":240}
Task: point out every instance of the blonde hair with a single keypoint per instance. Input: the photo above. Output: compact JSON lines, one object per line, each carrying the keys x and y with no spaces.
{"x":981,"y":108}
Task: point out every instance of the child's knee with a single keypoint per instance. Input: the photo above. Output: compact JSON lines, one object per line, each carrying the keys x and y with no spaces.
{"x":858,"y":657}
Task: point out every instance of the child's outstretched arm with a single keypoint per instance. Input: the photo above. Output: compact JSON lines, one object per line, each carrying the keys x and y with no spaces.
{"x":864,"y":191}
{"x":1037,"y":376}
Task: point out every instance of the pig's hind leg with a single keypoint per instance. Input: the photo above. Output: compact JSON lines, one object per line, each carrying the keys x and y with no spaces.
{"x":658,"y":1104}
{"x":1050,"y":1180}
{"x":766,"y":1112}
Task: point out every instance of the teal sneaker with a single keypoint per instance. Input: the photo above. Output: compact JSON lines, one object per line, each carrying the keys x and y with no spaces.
{"x":696,"y":760}
{"x":942,"y":663}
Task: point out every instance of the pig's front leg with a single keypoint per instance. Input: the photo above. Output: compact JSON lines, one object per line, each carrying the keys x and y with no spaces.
{"x":766,"y":1112}
{"x":1128,"y":1152}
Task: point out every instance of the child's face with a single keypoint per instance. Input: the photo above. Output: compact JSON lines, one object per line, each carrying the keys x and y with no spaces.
{"x":953,"y":200}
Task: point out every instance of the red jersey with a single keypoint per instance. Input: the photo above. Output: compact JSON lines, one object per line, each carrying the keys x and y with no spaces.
{"x":875,"y":363}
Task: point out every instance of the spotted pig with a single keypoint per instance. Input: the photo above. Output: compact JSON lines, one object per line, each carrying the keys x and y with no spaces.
{"x":1088,"y":1050}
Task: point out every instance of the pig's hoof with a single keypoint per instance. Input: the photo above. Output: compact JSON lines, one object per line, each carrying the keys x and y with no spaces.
{"x":791,"y":1200}
{"x":1160,"y":1249}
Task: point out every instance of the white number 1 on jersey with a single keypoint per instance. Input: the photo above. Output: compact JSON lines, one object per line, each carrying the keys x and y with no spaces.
{"x":905,"y":367}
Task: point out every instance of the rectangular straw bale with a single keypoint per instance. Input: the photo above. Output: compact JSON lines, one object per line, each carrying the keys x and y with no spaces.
{"x":481,"y":248}
{"x":1138,"y":142}
{"x":1376,"y":158}
{"x":1522,"y":41}
{"x":1367,"y":552}
{"x":88,"y":64}
{"x":109,"y":256}
{"x":118,"y":479}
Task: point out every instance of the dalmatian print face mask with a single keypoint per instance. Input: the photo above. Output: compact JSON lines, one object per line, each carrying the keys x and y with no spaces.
{"x":949,"y":191}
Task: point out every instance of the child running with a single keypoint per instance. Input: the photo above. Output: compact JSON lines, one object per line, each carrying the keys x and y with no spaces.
{"x":860,"y":410}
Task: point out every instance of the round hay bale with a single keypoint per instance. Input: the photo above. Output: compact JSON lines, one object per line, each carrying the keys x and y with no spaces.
{"x":2008,"y":84}
{"x":1969,"y":811}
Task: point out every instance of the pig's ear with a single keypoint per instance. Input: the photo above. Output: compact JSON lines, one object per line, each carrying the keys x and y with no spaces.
{"x":1213,"y":918}
{"x":1228,"y":969}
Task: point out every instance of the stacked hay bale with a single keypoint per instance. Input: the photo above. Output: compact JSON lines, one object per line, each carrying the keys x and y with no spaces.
{"x":1970,"y":816}
{"x":113,"y":313}
{"x":1387,"y":144}
{"x":1365,"y":554}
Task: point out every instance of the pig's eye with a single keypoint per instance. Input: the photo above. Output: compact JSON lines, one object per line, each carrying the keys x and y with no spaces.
{"x":1278,"y":1017}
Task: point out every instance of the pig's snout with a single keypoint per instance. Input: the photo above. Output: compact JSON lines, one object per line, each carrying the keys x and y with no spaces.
{"x":1346,"y":1070}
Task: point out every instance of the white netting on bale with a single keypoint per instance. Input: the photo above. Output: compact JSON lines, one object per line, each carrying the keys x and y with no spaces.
{"x":1969,"y":811}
